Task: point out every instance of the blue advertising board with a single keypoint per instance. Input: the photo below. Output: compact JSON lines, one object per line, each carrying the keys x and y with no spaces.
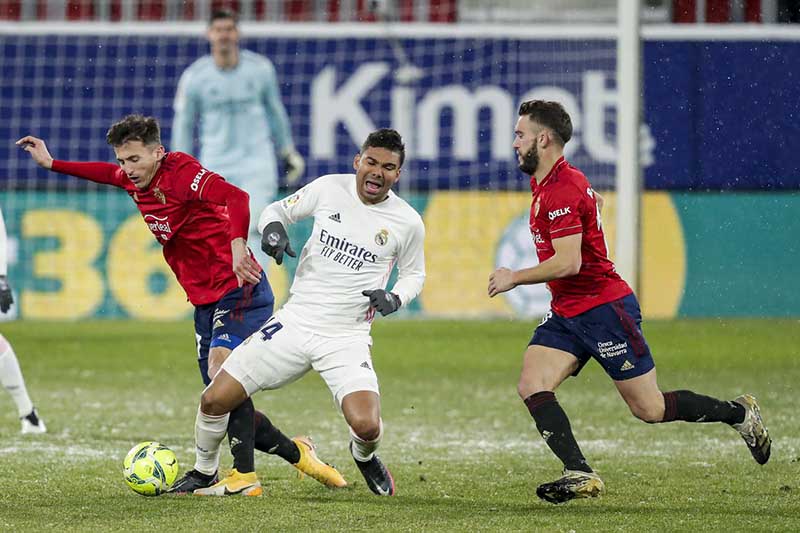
{"x":718,"y":115}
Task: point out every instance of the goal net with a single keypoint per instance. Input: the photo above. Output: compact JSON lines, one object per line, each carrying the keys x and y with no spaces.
{"x":452,"y":90}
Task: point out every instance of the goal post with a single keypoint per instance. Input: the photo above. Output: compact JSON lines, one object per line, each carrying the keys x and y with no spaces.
{"x":629,"y":175}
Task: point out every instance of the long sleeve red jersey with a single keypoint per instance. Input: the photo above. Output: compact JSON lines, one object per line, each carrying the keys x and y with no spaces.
{"x":564,"y":204}
{"x":193,"y":212}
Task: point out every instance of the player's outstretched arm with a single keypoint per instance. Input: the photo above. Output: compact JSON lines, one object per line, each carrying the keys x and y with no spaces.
{"x":99,"y":172}
{"x":275,"y":242}
{"x":38,"y":150}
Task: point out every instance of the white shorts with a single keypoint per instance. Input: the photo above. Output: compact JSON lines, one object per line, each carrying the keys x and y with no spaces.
{"x":283,"y":351}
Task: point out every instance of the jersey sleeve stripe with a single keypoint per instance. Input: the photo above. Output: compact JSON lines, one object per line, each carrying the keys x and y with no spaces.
{"x":565,"y":229}
{"x":203,"y":186}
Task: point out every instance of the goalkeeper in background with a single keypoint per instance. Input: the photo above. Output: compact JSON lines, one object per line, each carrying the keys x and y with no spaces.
{"x":10,"y":373}
{"x":243,"y":124}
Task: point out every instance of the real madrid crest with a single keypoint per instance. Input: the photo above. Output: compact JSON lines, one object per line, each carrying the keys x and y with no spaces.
{"x":159,"y":195}
{"x":382,"y":237}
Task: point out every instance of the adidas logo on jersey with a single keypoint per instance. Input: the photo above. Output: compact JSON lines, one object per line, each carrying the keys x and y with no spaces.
{"x":224,"y":337}
{"x":626,"y":366}
{"x":365,"y":364}
{"x":335,"y":217}
{"x":217,"y":324}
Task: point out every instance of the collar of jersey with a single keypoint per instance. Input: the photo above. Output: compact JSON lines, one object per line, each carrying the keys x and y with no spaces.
{"x":157,"y":177}
{"x":559,"y":164}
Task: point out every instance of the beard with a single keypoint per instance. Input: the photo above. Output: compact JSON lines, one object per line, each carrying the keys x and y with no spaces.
{"x":530,"y":162}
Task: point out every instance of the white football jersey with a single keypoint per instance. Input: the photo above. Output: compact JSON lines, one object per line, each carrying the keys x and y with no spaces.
{"x":353,"y":247}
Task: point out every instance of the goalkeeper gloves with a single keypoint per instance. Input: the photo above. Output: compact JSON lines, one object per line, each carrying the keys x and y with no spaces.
{"x":275,"y":242}
{"x":6,"y":298}
{"x":294,"y":164}
{"x":384,"y":302}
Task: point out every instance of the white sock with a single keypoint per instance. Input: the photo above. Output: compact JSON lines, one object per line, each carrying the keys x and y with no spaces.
{"x":11,"y":378}
{"x":209,"y":430}
{"x":363,"y":450}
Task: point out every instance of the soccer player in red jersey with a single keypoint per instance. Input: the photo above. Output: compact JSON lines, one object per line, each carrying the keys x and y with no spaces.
{"x":594,"y":313}
{"x":202,"y":222}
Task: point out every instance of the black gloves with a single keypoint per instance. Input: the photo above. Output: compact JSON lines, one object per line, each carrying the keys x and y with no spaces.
{"x":275,"y":242}
{"x":6,"y":298}
{"x":383,"y":301}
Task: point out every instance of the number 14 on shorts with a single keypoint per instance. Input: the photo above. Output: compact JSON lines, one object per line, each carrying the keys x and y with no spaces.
{"x":270,"y":328}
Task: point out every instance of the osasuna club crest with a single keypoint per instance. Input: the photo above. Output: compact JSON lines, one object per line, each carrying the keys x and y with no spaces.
{"x":159,"y":195}
{"x":382,"y":237}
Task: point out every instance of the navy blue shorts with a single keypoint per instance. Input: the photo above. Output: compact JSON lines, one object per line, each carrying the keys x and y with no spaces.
{"x":231,"y":320}
{"x":611,"y":333}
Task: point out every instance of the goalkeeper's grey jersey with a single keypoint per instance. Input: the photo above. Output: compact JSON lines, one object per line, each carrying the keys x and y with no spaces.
{"x":241,"y":115}
{"x":353,"y":247}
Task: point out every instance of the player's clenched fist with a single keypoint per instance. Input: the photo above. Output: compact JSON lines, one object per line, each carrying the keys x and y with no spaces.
{"x":384,"y":302}
{"x":275,"y":241}
{"x":37,"y":149}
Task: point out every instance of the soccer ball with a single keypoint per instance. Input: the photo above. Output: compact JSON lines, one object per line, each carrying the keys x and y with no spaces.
{"x":150,"y":468}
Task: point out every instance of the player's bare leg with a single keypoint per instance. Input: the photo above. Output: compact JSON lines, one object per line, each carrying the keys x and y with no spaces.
{"x":362,"y":411}
{"x":643,"y":397}
{"x":648,"y":403}
{"x":543,"y":370}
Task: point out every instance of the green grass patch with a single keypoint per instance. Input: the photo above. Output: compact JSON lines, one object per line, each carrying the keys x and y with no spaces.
{"x":463,"y":450}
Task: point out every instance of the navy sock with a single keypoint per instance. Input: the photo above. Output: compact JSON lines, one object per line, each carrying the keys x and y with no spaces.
{"x":692,"y":407}
{"x":269,"y":439}
{"x":241,"y":436}
{"x":553,"y":425}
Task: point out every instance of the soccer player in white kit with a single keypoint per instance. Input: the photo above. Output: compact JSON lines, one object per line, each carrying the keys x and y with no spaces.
{"x":10,"y":373}
{"x":361,"y":231}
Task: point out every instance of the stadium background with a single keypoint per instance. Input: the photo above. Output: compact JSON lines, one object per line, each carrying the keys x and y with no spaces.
{"x":719,"y":240}
{"x":719,"y":144}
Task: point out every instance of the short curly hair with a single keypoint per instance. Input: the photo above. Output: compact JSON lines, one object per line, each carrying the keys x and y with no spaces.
{"x":550,"y":115}
{"x":386,"y":138}
{"x":134,"y":128}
